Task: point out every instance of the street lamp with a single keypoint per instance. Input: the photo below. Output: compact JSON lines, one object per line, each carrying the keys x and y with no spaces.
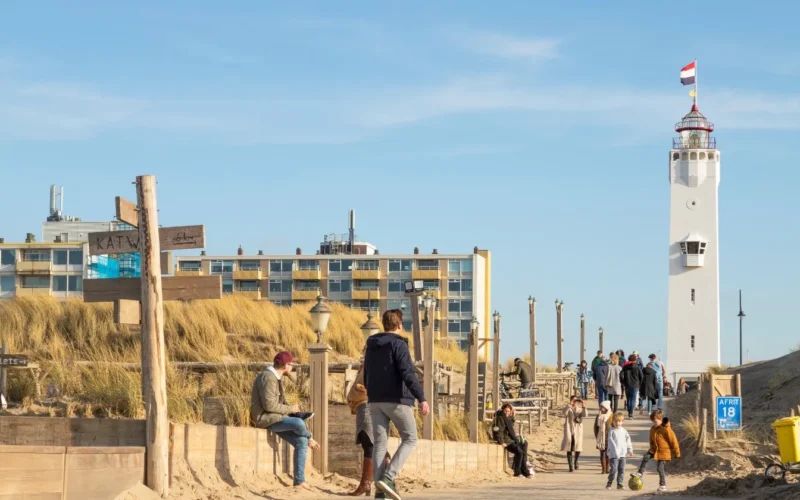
{"x":473,"y":330}
{"x":320,"y":314}
{"x":371,"y":327}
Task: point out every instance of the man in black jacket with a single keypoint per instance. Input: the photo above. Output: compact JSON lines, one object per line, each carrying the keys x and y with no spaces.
{"x":600,"y":374}
{"x":631,"y":377}
{"x":524,"y":371}
{"x":503,"y":432}
{"x":392,"y":385}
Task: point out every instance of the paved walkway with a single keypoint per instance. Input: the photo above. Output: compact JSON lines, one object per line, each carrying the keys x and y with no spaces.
{"x":560,"y":484}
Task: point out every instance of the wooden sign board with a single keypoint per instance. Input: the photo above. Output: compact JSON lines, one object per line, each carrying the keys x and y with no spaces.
{"x":127,"y":312}
{"x":171,"y":238}
{"x":173,"y":288}
{"x":127,"y":212}
{"x":13,"y":361}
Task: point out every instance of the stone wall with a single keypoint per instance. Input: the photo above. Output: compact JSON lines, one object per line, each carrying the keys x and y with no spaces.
{"x":69,"y":473}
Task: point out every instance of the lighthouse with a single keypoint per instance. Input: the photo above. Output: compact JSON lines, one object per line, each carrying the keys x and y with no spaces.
{"x":693,"y":340}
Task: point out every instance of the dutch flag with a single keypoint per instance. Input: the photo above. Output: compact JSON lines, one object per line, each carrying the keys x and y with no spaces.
{"x":689,"y":73}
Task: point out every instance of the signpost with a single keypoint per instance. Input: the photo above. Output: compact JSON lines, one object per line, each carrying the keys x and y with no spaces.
{"x":170,"y":238}
{"x":9,"y":361}
{"x":729,"y":413}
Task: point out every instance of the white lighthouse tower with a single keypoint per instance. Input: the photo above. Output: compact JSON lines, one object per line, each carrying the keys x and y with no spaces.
{"x":693,"y":309}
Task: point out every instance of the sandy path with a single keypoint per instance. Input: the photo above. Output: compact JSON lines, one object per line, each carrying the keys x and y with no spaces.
{"x":559,"y":484}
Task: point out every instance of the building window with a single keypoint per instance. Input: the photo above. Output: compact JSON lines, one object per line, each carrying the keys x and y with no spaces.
{"x":8,"y":283}
{"x":396,"y":266}
{"x":75,"y":283}
{"x":221,"y":266}
{"x":307,"y":286}
{"x":76,"y":257}
{"x":280,"y":286}
{"x":340,"y":266}
{"x":692,"y":295}
{"x":8,"y":257}
{"x":395,"y":285}
{"x":36,"y":256}
{"x":60,"y":259}
{"x":458,"y":328}
{"x":368,"y":265}
{"x":692,"y":341}
{"x":430,"y":284}
{"x":366,"y":305}
{"x":190,"y":265}
{"x":59,"y":283}
{"x":227,"y":286}
{"x":36,"y":282}
{"x":249,"y":265}
{"x":248,"y":286}
{"x":280,"y":266}
{"x":308,"y":265}
{"x":428,"y":265}
{"x":460,"y":286}
{"x":459,"y":306}
{"x":339,"y":286}
{"x":460,"y":266}
{"x":366,"y":285}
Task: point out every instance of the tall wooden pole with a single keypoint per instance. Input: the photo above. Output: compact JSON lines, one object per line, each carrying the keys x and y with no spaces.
{"x":473,"y":383}
{"x":4,"y":374}
{"x":560,"y":339}
{"x":318,"y":375}
{"x":532,"y":331}
{"x":416,"y":325}
{"x":428,"y":380}
{"x":583,"y":339}
{"x":496,"y":364}
{"x":154,"y":381}
{"x":600,"y":334}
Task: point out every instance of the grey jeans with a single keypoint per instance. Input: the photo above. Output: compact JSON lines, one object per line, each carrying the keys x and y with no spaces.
{"x":402,"y":417}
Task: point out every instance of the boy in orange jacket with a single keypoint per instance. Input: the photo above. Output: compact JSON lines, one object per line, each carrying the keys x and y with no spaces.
{"x":663,"y":447}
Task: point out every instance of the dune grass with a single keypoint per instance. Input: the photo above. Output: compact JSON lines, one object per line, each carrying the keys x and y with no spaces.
{"x":57,"y":333}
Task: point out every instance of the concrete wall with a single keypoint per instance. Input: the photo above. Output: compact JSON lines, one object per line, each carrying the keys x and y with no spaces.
{"x":68,"y":473}
{"x":47,"y":431}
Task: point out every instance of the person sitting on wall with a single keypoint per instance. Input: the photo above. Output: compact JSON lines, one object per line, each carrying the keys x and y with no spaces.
{"x":503,"y":433}
{"x":269,"y":410}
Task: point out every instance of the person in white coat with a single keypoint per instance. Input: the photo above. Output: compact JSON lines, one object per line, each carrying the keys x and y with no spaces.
{"x":573,"y":431}
{"x":619,"y":447}
{"x":614,"y":383}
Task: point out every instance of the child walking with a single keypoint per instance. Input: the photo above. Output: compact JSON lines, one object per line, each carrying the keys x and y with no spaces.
{"x":663,"y":447}
{"x":619,"y":448}
{"x":602,"y":424}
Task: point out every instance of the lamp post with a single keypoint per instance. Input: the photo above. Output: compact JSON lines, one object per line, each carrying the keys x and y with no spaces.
{"x":318,"y":374}
{"x":583,"y":339}
{"x":473,"y":380}
{"x":600,"y":333}
{"x":560,"y":337}
{"x":532,"y":332}
{"x":428,"y":379}
{"x":371,"y":327}
{"x":741,"y":316}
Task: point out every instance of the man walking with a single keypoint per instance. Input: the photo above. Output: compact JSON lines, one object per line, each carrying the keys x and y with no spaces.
{"x":597,"y":360}
{"x":600,"y":380}
{"x":392,"y":386}
{"x":268,"y":410}
{"x":525,"y":373}
{"x":661,"y":375}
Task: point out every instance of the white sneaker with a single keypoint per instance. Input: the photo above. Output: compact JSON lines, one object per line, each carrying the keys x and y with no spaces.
{"x":662,"y":488}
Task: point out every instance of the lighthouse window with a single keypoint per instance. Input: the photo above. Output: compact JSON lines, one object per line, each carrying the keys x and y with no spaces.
{"x":692,"y":295}
{"x":692,"y":247}
{"x":693,"y":156}
{"x":702,"y":248}
{"x":684,"y":156}
{"x":702,"y":156}
{"x":692,"y":342}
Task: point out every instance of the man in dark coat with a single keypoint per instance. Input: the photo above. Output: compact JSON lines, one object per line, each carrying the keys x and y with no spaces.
{"x":631,"y":378}
{"x":600,"y":378}
{"x":649,"y":387}
{"x":524,"y":371}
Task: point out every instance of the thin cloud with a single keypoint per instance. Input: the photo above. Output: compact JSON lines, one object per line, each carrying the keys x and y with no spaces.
{"x":512,"y":47}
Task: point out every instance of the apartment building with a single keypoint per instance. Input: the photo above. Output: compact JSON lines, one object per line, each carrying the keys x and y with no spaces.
{"x":49,"y":269}
{"x":460,"y":282}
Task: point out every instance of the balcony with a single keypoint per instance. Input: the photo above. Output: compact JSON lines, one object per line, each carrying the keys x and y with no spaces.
{"x":312,"y":274}
{"x":254,"y":275}
{"x":366,"y":274}
{"x":425,"y":274}
{"x":248,"y":294}
{"x":706,"y":143}
{"x":366,"y":295}
{"x":189,"y":272}
{"x":305,"y":294}
{"x":34,"y":267}
{"x":33,"y":292}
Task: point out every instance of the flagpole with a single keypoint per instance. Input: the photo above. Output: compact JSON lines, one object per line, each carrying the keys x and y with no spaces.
{"x":695,"y":81}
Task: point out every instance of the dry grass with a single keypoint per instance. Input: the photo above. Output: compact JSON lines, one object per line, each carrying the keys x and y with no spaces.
{"x":57,"y":333}
{"x":717,"y":369}
{"x":690,"y":427}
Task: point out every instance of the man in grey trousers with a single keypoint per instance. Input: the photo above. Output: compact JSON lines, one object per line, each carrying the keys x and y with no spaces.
{"x":392,"y":386}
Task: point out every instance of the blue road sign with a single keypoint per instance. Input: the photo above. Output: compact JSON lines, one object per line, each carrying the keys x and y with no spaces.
{"x":729,"y":413}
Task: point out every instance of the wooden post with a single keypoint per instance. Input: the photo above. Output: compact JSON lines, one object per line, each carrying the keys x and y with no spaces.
{"x":318,"y":374}
{"x":428,"y":381}
{"x":532,"y":332}
{"x":701,"y":436}
{"x":583,"y":340}
{"x":712,"y":401}
{"x":416,"y":326}
{"x":4,"y":374}
{"x":472,"y":385}
{"x":154,"y":381}
{"x":496,"y":365}
{"x":560,"y":338}
{"x":738,"y":387}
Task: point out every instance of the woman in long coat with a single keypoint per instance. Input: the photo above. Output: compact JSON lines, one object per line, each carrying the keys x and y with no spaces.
{"x":614,"y":383}
{"x":649,"y":389}
{"x":573,"y":431}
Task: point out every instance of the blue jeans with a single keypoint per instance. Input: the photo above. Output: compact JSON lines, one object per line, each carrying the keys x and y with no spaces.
{"x":602,"y":395}
{"x":617,"y":469}
{"x":293,"y":431}
{"x":633,"y":395}
{"x":660,"y":388}
{"x":584,"y":390}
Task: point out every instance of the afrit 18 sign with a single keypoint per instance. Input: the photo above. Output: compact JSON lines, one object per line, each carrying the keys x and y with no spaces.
{"x":729,"y":413}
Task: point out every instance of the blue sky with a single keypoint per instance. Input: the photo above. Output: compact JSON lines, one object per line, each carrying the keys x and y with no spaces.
{"x":536,"y":130}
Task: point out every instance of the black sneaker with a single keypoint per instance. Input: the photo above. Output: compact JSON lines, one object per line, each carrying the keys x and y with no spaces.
{"x":389,"y":488}
{"x":608,"y":485}
{"x":620,"y":487}
{"x":379,"y":493}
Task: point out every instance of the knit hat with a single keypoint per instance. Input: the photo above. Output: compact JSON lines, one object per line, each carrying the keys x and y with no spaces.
{"x":606,"y":405}
{"x":283,"y":358}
